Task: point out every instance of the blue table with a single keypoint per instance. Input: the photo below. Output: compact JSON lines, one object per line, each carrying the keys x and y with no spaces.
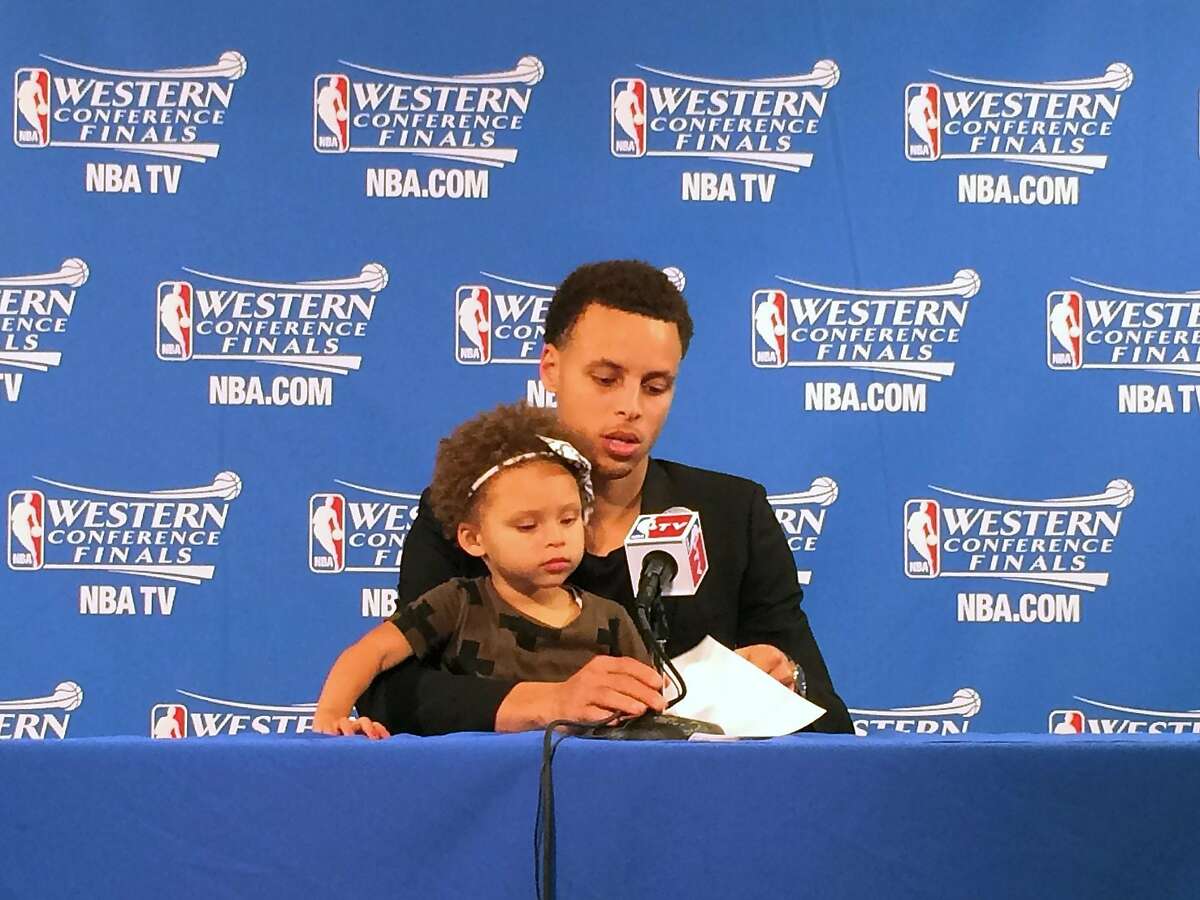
{"x":809,"y":816}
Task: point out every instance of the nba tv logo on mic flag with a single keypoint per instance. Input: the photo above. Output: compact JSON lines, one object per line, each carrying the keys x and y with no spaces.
{"x":680,"y":535}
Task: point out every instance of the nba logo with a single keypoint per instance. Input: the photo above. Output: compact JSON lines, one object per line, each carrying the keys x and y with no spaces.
{"x":922,"y":539}
{"x":473,"y":325}
{"x":769,"y":339}
{"x":168,"y":720}
{"x":173,"y":339}
{"x":31,"y":108}
{"x":331,"y":113}
{"x":26,"y":530}
{"x":628,"y":128}
{"x":1064,"y":330}
{"x":658,"y":526}
{"x":663,"y":525}
{"x":1066,"y":721}
{"x":922,"y":122}
{"x":327,"y":533}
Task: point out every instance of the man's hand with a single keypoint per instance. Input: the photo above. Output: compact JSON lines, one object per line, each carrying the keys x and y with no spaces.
{"x":326,"y":723}
{"x":606,"y":685}
{"x":771,"y":660}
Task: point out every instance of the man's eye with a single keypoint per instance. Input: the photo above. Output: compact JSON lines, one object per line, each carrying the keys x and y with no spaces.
{"x":605,"y":380}
{"x":656,"y":389}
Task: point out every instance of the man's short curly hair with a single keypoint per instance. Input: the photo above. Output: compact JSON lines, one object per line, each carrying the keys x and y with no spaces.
{"x":484,"y":441}
{"x":625,"y":284}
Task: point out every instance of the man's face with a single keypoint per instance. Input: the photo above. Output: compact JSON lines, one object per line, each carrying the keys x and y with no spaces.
{"x":614,"y":377}
{"x":530,"y":527}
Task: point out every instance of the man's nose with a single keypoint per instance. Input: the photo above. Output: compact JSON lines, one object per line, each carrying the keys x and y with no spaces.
{"x":629,"y":401}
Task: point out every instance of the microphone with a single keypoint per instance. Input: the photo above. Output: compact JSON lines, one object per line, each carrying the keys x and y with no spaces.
{"x":658,"y":569}
{"x":666,"y":557}
{"x":676,"y":535}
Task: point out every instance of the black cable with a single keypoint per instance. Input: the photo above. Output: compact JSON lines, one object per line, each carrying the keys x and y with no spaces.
{"x":661,"y":661}
{"x":677,"y":680}
{"x":543,"y":830}
{"x":543,"y":827}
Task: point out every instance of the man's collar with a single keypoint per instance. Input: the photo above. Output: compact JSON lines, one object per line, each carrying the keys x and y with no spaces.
{"x":656,"y":489}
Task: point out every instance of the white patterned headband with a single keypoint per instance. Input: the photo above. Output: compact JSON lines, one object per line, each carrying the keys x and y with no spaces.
{"x":560,"y":450}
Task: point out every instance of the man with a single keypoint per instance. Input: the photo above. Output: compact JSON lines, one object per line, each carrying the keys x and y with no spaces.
{"x":616,"y":333}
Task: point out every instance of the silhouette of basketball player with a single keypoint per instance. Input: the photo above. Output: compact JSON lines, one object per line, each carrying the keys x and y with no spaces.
{"x":769,"y":325}
{"x":331,"y":108}
{"x":628,"y":111}
{"x":172,"y":313}
{"x":1064,"y":325}
{"x":473,"y":320}
{"x":1072,"y":724}
{"x":921,"y":534}
{"x":27,"y":525}
{"x":167,"y":725}
{"x":327,"y":529}
{"x":32,"y":104}
{"x":922,"y":119}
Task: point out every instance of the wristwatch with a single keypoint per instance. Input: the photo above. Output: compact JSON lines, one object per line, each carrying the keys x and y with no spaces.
{"x":799,"y":685}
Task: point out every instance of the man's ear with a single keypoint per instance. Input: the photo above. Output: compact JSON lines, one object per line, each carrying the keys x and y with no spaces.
{"x":548,"y":369}
{"x":470,"y":539}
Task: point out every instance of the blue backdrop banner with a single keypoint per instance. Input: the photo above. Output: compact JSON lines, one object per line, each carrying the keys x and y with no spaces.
{"x":259,"y":258}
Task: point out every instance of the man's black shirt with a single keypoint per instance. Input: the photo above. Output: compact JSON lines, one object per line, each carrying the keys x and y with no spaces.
{"x":749,"y":596}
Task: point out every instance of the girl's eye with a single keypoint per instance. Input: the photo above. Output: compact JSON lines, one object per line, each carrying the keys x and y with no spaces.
{"x":569,"y":520}
{"x":525,"y":526}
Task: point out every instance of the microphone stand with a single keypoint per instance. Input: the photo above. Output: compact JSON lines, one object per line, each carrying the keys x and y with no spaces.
{"x":650,"y":616}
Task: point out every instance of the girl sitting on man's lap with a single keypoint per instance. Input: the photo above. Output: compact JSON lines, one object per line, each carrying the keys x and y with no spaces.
{"x":510,"y":488}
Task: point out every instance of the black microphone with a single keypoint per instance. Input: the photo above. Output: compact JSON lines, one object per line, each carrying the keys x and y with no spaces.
{"x":665,"y":554}
{"x":658,"y":569}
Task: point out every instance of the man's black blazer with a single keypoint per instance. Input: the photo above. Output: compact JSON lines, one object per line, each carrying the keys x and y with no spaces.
{"x":749,"y":596}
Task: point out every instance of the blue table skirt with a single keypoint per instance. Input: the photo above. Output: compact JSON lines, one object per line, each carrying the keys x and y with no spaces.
{"x":808,"y":816}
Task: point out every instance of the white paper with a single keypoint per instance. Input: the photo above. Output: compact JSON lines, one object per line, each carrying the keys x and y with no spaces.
{"x":732,"y":692}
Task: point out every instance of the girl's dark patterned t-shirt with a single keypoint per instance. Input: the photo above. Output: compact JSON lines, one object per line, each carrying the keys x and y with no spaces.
{"x":466,"y":625}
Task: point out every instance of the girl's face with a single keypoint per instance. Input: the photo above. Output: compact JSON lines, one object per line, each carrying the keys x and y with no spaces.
{"x":530,"y":526}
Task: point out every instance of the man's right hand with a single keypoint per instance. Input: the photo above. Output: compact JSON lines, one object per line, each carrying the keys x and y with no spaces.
{"x":605,"y":685}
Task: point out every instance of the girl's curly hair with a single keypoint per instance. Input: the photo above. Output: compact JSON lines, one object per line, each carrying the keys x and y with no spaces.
{"x":484,"y":441}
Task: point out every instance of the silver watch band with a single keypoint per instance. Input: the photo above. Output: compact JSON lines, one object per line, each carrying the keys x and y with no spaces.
{"x":799,"y":684}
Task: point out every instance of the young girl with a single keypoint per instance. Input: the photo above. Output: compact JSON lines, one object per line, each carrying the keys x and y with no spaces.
{"x":511,"y":490}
